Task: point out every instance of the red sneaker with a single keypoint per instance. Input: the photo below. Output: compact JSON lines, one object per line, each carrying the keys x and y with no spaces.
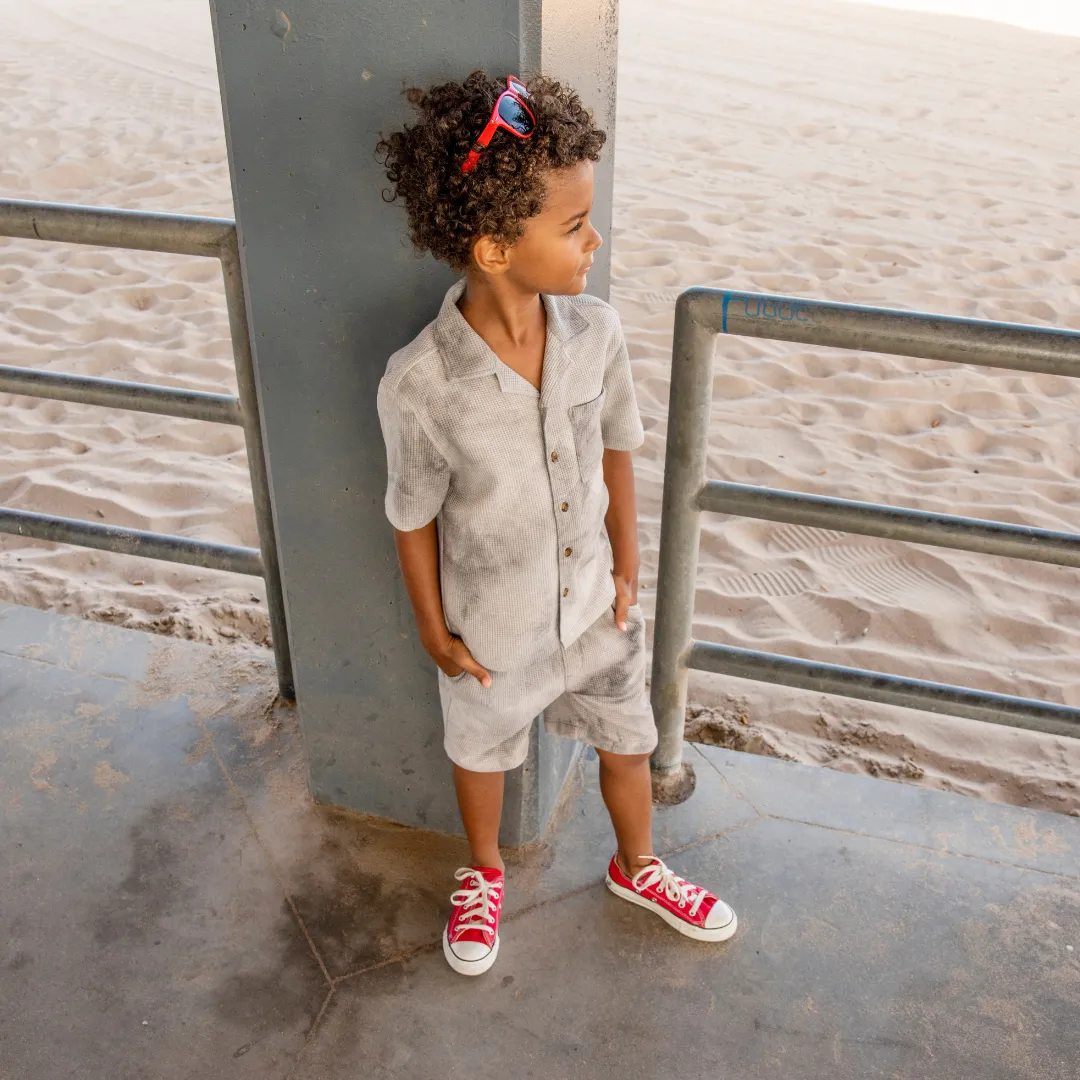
{"x":471,"y":938}
{"x":693,"y":911}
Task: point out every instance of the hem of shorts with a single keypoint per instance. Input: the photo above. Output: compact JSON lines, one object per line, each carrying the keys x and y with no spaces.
{"x":474,"y":768}
{"x":640,"y":745}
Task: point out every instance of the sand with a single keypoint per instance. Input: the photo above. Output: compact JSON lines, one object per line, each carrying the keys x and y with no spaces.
{"x":116,"y":104}
{"x":813,"y":147}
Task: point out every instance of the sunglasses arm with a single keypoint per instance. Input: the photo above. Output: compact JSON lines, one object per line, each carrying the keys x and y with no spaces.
{"x":479,"y":147}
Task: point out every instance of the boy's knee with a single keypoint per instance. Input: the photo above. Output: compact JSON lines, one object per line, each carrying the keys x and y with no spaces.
{"x":621,"y":761}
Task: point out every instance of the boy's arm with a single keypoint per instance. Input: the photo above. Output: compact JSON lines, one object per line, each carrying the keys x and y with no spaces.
{"x":418,"y":554}
{"x":621,"y":522}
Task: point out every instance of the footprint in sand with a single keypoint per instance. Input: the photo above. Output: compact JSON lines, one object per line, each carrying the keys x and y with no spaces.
{"x":826,"y":618}
{"x":770,"y":583}
{"x":677,"y":234}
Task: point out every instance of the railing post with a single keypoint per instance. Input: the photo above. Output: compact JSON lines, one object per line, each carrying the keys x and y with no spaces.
{"x":684,"y":476}
{"x":181,"y":235}
{"x":229,"y":254}
{"x":699,"y":315}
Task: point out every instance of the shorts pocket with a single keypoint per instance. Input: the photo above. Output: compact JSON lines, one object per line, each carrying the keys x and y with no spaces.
{"x":588,"y":436}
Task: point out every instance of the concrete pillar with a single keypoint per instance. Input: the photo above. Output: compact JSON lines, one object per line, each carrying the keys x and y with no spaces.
{"x":333,"y":290}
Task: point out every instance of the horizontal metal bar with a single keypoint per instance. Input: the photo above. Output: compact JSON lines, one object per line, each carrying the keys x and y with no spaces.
{"x":147,"y":545}
{"x":180,"y":234}
{"x":886,"y":689}
{"x":892,"y":523}
{"x":114,"y":394}
{"x":1015,"y":346}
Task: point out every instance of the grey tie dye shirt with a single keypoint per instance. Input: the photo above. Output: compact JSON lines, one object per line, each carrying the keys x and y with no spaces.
{"x":514,"y":476}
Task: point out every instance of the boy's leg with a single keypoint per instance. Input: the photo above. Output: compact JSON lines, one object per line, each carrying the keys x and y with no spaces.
{"x":471,"y":939}
{"x":627,"y":789}
{"x":480,"y":800}
{"x":608,"y":707}
{"x":626,"y":785}
{"x":487,"y":732}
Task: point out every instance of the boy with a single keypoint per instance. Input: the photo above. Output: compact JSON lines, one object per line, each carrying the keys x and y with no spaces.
{"x":509,"y":425}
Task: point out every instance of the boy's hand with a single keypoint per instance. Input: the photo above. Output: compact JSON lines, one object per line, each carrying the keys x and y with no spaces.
{"x":625,"y":597}
{"x":453,"y":657}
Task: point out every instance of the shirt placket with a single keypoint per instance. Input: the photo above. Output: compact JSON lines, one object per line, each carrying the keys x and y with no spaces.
{"x":558,"y":445}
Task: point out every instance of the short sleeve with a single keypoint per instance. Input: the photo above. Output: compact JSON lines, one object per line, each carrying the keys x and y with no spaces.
{"x":620,"y":422}
{"x":418,"y":476}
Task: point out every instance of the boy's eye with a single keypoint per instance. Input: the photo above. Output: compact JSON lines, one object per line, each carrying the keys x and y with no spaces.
{"x":577,"y":226}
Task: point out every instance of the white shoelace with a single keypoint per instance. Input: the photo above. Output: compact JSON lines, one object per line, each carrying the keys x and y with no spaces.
{"x":477,"y":904}
{"x":672,"y":886}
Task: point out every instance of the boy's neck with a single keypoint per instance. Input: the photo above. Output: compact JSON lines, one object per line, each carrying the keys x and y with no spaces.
{"x":506,"y":317}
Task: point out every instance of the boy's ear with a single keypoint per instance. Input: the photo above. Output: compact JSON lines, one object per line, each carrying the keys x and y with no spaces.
{"x":490,"y":256}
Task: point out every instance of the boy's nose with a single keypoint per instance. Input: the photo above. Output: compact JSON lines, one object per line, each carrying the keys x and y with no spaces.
{"x":596,"y":240}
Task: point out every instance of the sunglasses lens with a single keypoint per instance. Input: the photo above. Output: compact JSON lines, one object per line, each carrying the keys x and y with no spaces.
{"x":514,"y":115}
{"x":518,"y":87}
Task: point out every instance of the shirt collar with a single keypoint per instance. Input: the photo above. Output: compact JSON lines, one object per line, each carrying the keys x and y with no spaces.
{"x":465,"y":353}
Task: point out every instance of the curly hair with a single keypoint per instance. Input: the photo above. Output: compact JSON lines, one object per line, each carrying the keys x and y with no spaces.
{"x":448,"y":211}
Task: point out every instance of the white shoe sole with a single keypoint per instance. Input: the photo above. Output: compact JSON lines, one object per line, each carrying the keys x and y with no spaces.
{"x":698,"y":933}
{"x":469,"y":967}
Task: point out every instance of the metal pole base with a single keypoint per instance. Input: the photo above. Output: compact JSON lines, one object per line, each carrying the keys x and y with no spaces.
{"x":673,"y":786}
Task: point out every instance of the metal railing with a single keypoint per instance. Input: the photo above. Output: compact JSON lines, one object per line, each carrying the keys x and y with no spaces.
{"x":702,"y":314}
{"x":179,"y":235}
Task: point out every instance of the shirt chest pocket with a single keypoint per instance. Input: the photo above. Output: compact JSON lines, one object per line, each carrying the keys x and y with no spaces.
{"x":588,"y":436}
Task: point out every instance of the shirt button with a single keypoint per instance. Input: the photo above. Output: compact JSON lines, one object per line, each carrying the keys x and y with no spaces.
{"x":566,"y":592}
{"x":568,"y":552}
{"x":564,"y":507}
{"x":554,"y":455}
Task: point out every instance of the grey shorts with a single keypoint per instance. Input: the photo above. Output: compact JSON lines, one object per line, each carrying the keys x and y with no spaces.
{"x":592,"y":691}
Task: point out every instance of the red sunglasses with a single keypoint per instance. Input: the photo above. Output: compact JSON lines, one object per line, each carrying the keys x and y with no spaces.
{"x":511,"y":114}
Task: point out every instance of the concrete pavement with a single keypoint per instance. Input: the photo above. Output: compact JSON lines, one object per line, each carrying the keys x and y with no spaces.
{"x":173,"y":905}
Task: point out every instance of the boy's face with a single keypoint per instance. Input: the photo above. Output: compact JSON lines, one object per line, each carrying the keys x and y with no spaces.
{"x":556,"y":251}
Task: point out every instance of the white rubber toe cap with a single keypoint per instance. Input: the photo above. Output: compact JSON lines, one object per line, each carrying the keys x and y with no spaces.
{"x":720,"y":916}
{"x":469,"y":952}
{"x":469,"y":957}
